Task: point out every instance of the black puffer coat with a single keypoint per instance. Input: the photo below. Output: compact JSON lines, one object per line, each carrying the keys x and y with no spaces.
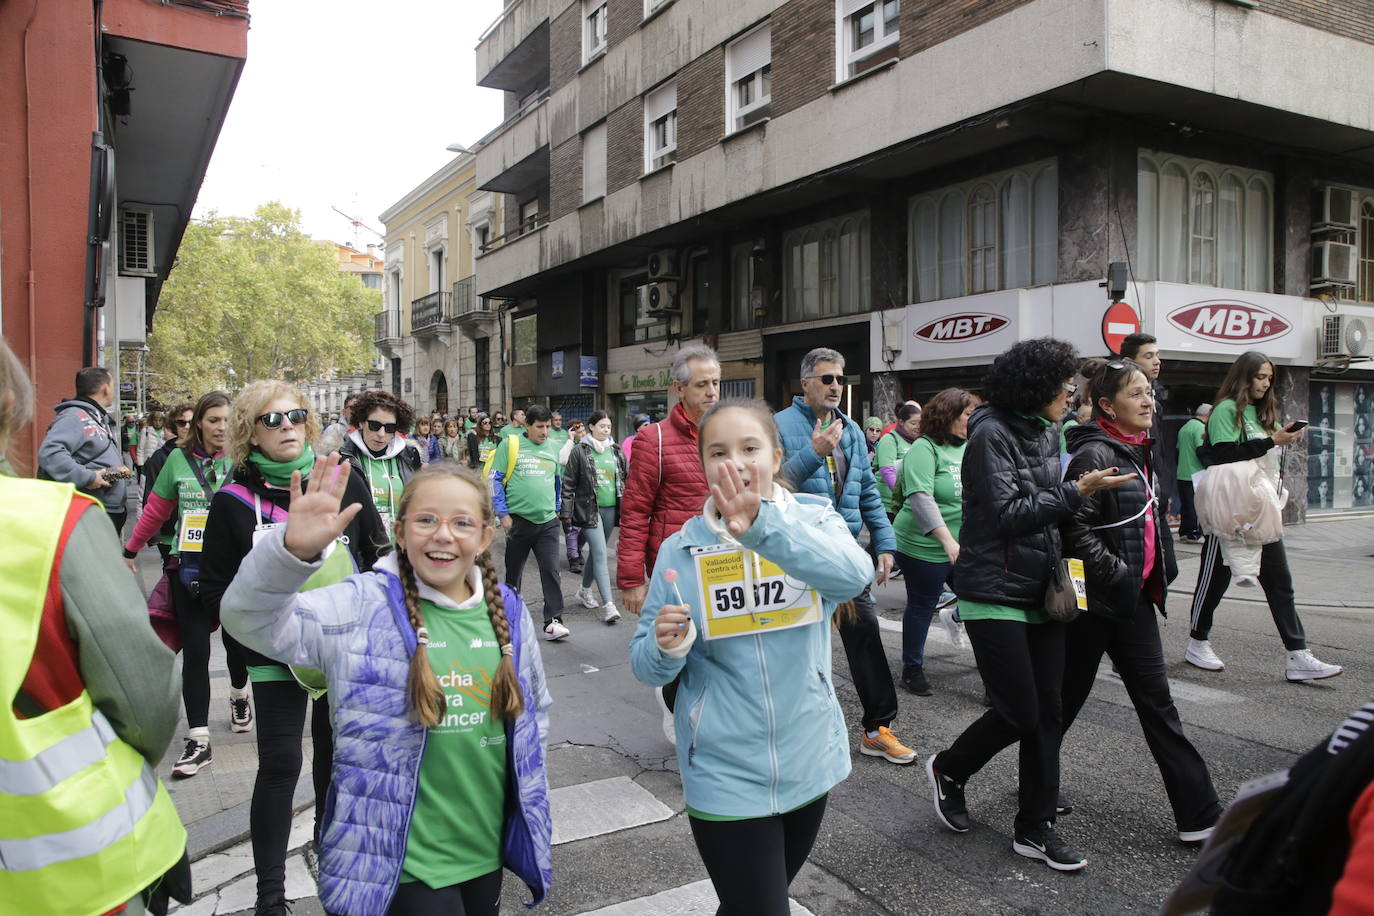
{"x":579,"y":484}
{"x":1114,"y":558}
{"x":1014,"y":503}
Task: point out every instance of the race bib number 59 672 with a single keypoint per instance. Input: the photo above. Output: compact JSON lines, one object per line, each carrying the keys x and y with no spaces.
{"x":779,"y":602}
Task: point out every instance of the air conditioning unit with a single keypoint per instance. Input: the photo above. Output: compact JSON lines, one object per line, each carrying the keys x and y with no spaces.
{"x":1342,"y":335}
{"x":1334,"y":263}
{"x":660,"y":299}
{"x":1336,"y":208}
{"x":663,"y":265}
{"x":136,"y":251}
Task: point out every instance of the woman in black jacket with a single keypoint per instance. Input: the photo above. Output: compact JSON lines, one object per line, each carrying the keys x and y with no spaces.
{"x":269,"y":432}
{"x":593,"y":482}
{"x":1123,"y":538}
{"x":1014,"y":502}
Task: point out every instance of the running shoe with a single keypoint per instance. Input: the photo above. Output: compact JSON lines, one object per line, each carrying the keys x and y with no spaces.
{"x":555,"y":631}
{"x":914,"y":679}
{"x":193,"y":759}
{"x":610,"y":614}
{"x":887,"y":746}
{"x":1043,"y":843}
{"x":584,"y":595}
{"x":1199,"y":654}
{"x":280,"y":908}
{"x":575,"y":565}
{"x":952,"y":625}
{"x":1062,"y":805}
{"x":1201,"y":835}
{"x":240,"y":714}
{"x":1304,"y":666}
{"x":946,"y":598}
{"x":949,"y":799}
{"x":1193,"y":539}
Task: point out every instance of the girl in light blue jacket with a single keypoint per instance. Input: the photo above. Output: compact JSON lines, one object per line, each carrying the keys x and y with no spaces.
{"x":740,"y":605}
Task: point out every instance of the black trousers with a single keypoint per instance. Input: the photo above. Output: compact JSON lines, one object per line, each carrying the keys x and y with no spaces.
{"x":1133,"y":646}
{"x":1187,"y":523}
{"x":195,"y":624}
{"x":863,"y":648}
{"x":481,"y":896}
{"x":118,"y":519}
{"x":1022,"y":665}
{"x":280,"y":724}
{"x":1214,"y":576}
{"x":752,"y":862}
{"x":545,"y":541}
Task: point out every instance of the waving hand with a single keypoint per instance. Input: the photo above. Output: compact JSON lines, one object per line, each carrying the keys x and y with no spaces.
{"x":315,"y":520}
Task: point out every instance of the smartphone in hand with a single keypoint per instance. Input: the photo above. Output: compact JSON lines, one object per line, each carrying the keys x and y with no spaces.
{"x":1296,"y":426}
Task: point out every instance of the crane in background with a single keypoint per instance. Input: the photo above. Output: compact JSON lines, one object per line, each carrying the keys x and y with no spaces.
{"x":357,"y":224}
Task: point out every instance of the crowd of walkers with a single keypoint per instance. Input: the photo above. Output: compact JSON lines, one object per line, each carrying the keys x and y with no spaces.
{"x":351,"y":570}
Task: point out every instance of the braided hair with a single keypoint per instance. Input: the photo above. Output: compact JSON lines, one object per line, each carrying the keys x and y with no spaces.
{"x":424,"y":693}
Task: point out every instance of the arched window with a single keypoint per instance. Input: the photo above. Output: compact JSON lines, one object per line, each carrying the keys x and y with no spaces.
{"x":1015,"y":248}
{"x":925,"y":248}
{"x":1259,"y":235}
{"x":982,"y":239}
{"x":1173,"y":224}
{"x":952,"y":244}
{"x":1045,"y":225}
{"x":825,"y":268}
{"x":1230,"y":232}
{"x":1203,"y":251}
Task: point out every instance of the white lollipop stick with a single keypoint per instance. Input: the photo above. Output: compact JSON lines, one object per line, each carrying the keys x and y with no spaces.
{"x":670,"y":576}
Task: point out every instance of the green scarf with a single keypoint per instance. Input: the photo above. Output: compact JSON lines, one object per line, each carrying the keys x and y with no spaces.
{"x":278,"y":473}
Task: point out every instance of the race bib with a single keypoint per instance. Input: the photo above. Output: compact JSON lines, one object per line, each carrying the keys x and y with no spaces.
{"x":192,"y":535}
{"x":780,"y":602}
{"x":1080,"y":582}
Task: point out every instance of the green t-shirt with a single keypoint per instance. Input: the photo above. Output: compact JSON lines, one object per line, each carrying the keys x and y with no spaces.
{"x":1221,"y":425}
{"x":938,"y":470}
{"x":531,"y":489}
{"x":485,"y":446}
{"x":177,"y":482}
{"x":1189,"y":438}
{"x":891,"y":449}
{"x":605,"y":466}
{"x":455,"y":832}
{"x":1063,"y":435}
{"x":558,"y":437}
{"x":469,"y":425}
{"x":384,"y":477}
{"x":510,"y":429}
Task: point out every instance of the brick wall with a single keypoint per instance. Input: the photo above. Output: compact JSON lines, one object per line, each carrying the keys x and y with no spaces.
{"x":803,"y":53}
{"x":622,"y":20}
{"x":625,"y":145}
{"x":926,"y":23}
{"x":565,"y":177}
{"x":1351,"y":18}
{"x":565,"y":47}
{"x":701,"y":103}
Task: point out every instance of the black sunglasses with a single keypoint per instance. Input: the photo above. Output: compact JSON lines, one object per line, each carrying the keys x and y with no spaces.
{"x":182,"y":422}
{"x":377,"y":426}
{"x":274,"y":419}
{"x":829,"y":379}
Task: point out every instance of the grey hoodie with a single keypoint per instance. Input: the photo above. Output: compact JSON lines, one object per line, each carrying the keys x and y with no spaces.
{"x":80,"y":442}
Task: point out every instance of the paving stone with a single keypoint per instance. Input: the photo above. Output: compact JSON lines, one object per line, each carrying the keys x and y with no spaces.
{"x":241,"y":895}
{"x":299,"y":883}
{"x":606,"y":805}
{"x":699,"y":897}
{"x":217,"y":869}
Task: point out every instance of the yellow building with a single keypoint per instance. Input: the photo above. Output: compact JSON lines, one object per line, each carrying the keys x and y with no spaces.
{"x":441,"y":343}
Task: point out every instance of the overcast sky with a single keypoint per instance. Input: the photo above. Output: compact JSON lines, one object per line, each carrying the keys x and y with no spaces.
{"x":349,"y":104}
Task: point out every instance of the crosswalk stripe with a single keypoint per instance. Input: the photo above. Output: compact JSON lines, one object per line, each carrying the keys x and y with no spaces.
{"x":699,"y":897}
{"x":591,"y":809}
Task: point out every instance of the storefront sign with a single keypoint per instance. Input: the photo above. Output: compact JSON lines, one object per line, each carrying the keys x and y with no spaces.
{"x":589,"y":372}
{"x":556,"y":361}
{"x":960,"y":328}
{"x":1225,"y":322}
{"x":650,"y":380}
{"x":1229,"y":321}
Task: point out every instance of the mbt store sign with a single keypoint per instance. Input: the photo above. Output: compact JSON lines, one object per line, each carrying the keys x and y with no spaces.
{"x":1197,"y":319}
{"x":961,"y":328}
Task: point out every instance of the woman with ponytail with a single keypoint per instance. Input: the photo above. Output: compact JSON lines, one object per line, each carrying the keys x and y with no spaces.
{"x":439,"y":704}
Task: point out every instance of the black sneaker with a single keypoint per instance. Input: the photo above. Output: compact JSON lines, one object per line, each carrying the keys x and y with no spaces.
{"x":195,"y":758}
{"x":914,"y":679}
{"x":1041,"y":842}
{"x":240,"y":714}
{"x":1062,"y":805}
{"x":949,"y":799}
{"x":279,"y":908}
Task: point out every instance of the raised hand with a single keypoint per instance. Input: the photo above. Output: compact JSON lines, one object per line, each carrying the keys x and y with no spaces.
{"x":736,"y":501}
{"x":825,"y":440}
{"x":315,"y":519}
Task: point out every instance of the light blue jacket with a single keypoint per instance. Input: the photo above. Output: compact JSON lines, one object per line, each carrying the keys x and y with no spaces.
{"x":759,"y":731}
{"x":860,"y":502}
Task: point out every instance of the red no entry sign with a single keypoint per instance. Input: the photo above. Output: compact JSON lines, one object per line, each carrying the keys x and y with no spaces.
{"x":1119,"y":321}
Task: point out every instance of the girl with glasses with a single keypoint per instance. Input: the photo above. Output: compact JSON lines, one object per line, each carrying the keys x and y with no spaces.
{"x":268,"y":441}
{"x":183,"y":491}
{"x":438,"y":777}
{"x":377,"y":448}
{"x":482,"y":441}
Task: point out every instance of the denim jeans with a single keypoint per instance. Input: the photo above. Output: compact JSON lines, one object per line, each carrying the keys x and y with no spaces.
{"x":596,"y":568}
{"x":924,"y":582}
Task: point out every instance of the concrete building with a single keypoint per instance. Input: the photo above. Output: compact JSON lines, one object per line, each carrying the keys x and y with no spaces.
{"x":365,"y":265}
{"x":920,"y":183}
{"x":441,"y":344}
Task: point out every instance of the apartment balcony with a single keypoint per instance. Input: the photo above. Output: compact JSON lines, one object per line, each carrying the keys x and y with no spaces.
{"x":476,"y":316}
{"x":387,"y":328}
{"x":515,"y":46}
{"x":516,"y":154}
{"x":430,"y":314}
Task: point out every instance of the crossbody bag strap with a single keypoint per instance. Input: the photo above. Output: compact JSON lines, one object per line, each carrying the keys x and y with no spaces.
{"x":200,"y":475}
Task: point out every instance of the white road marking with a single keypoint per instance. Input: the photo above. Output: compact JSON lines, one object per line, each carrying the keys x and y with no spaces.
{"x":589,"y":669}
{"x":1181,"y":690}
{"x":592,"y":808}
{"x":688,"y":900}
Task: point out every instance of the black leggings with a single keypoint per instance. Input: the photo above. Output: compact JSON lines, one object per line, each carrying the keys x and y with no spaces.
{"x":478,"y":897}
{"x":752,"y":862}
{"x":195,"y":647}
{"x":1214,"y":576}
{"x":280,"y":724}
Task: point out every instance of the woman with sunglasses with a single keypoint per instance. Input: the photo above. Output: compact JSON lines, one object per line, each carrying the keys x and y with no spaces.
{"x":377,"y":448}
{"x":482,"y":441}
{"x":269,"y":435}
{"x":182,"y":491}
{"x":174,"y":430}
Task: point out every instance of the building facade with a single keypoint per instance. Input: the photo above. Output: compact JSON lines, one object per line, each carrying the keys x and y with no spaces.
{"x":440,"y":344}
{"x":921,"y":183}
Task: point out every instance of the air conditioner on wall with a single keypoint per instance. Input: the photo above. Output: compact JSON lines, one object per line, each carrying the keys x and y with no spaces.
{"x":1334,"y":262}
{"x":137,"y":254}
{"x":659,"y":299}
{"x":1336,"y":208}
{"x":1342,"y":335}
{"x":663,"y":265}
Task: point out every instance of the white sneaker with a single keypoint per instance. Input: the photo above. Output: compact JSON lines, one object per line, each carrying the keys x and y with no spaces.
{"x":1200,"y":655}
{"x":555,"y":631}
{"x":669,"y":726}
{"x":1304,"y":666}
{"x":953,"y":627}
{"x":584,"y":595}
{"x":610,"y":615}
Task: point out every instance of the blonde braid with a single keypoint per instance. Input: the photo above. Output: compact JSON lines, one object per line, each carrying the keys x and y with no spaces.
{"x":424,"y":695}
{"x":506,"y":700}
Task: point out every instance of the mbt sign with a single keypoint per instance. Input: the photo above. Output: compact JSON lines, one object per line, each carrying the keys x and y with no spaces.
{"x":1229,"y":321}
{"x":960,"y":328}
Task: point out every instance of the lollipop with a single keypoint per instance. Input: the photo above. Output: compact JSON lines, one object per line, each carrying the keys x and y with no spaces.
{"x":670,"y":576}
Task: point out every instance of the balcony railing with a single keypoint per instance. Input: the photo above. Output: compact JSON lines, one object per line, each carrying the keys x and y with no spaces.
{"x":388,"y":325}
{"x":531,"y":223}
{"x":431,"y":312}
{"x":465,"y":297}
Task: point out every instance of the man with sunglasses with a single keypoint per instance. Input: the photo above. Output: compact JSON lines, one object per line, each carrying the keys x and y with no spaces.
{"x":828,"y":456}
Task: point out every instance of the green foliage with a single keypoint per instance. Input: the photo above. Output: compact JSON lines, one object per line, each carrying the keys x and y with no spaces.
{"x":256,"y":298}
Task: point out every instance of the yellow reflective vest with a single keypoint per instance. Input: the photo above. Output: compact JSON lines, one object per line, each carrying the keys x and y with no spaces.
{"x":85,"y":825}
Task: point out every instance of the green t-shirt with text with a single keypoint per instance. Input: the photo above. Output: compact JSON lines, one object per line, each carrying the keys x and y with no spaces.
{"x":177,"y":482}
{"x":384,"y":480}
{"x":891,"y":449}
{"x":605,"y":465}
{"x":558,"y":438}
{"x":455,"y":832}
{"x":531,"y":489}
{"x":1189,"y":438}
{"x":1222,"y":427}
{"x":938,"y":470}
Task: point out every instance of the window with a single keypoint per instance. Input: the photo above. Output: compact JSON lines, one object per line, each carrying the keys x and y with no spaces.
{"x":826,"y":269}
{"x":660,"y":127}
{"x":529,"y":215}
{"x":748,"y":78}
{"x":1203,"y":222}
{"x":593,"y":28}
{"x":742,"y":284}
{"x":996,"y":232}
{"x":1366,"y":275}
{"x":651,"y":5}
{"x":636,"y":324}
{"x":594,"y":163}
{"x":525,"y":334}
{"x":483,"y":236}
{"x":395,"y":277}
{"x":866,"y":34}
{"x":436,"y":269}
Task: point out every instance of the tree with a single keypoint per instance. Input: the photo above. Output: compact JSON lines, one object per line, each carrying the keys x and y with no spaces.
{"x":252,"y":299}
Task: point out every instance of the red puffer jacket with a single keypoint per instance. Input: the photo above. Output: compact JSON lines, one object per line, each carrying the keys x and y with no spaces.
{"x":666,"y":486}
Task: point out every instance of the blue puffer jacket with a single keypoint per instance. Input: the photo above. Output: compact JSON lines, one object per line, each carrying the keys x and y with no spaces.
{"x":860,"y":503}
{"x":359,"y":634}
{"x":759,"y":731}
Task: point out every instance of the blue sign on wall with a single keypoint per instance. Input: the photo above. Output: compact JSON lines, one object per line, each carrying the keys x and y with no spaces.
{"x":588,"y":375}
{"x":557,"y":363}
